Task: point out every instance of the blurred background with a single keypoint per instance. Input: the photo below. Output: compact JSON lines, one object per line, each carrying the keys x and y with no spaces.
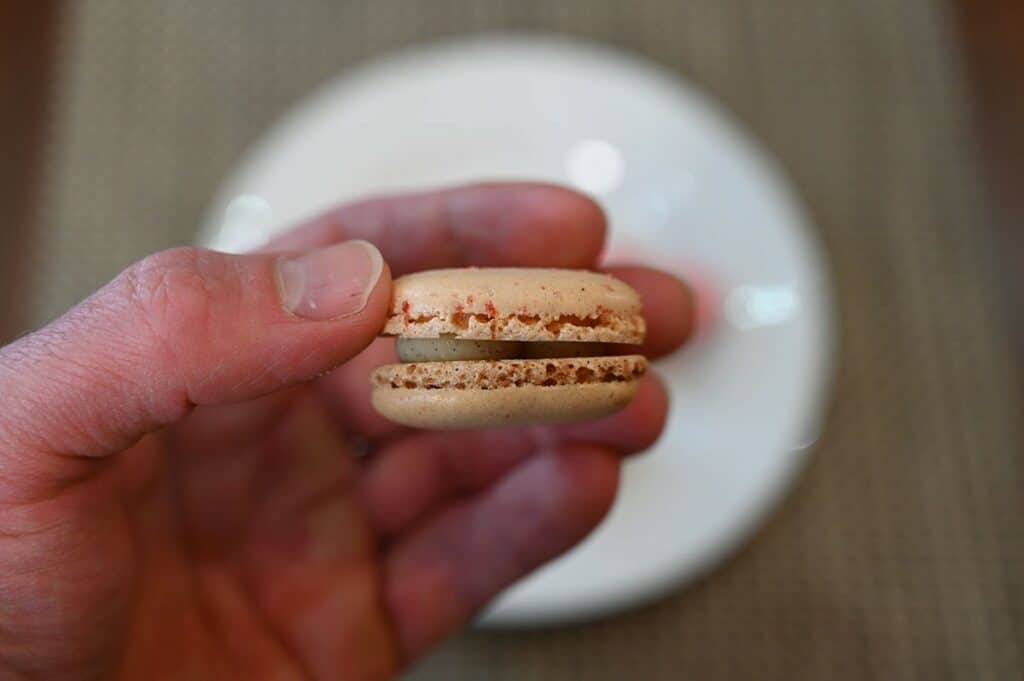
{"x":900,"y":553}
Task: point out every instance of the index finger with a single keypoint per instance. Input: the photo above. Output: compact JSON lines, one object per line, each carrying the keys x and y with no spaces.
{"x":487,"y":224}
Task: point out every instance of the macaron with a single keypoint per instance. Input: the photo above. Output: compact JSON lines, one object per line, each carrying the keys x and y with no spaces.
{"x":488,"y":347}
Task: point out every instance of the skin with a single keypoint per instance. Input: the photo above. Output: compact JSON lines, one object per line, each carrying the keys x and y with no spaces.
{"x":181,"y":494}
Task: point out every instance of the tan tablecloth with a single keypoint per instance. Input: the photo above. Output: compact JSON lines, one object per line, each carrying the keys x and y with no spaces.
{"x":901,"y":552}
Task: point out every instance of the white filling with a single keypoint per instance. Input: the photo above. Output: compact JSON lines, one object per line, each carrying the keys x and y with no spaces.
{"x":453,"y":349}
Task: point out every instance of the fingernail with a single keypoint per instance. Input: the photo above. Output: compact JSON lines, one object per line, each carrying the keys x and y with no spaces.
{"x":330,"y":282}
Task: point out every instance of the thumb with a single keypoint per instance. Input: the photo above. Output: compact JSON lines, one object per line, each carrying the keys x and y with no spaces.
{"x":181,"y":328}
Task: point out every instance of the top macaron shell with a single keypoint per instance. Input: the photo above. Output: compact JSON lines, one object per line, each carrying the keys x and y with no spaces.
{"x":515,"y":304}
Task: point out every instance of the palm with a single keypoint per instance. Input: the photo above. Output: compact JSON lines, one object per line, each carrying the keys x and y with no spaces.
{"x":277,"y":570}
{"x":257,"y":541}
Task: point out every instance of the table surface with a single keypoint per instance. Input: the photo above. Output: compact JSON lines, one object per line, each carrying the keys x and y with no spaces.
{"x":900,"y":554}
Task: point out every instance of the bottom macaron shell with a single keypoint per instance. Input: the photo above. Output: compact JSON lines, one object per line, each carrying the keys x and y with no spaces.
{"x":451,"y":408}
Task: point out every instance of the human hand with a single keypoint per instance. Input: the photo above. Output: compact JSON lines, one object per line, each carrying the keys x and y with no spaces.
{"x":185,"y":493}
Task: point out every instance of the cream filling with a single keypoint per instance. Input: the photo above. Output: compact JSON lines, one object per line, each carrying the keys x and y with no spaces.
{"x":454,"y":349}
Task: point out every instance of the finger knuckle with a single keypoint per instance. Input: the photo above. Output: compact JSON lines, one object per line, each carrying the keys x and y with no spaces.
{"x":171,"y":294}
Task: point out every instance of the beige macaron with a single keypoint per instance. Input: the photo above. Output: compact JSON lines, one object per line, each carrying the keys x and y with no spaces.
{"x":485,"y":347}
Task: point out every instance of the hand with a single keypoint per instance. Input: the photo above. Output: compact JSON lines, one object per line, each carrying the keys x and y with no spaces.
{"x":181,"y":488}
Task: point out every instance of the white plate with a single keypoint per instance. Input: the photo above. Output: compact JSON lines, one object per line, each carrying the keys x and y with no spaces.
{"x":684,"y":188}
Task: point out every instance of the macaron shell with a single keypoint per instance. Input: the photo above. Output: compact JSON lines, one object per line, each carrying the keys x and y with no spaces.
{"x":516,"y":304}
{"x":489,"y":393}
{"x":451,"y":408}
{"x":483,"y":375}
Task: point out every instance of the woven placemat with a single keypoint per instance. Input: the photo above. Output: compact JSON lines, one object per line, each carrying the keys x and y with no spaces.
{"x":900,"y":553}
